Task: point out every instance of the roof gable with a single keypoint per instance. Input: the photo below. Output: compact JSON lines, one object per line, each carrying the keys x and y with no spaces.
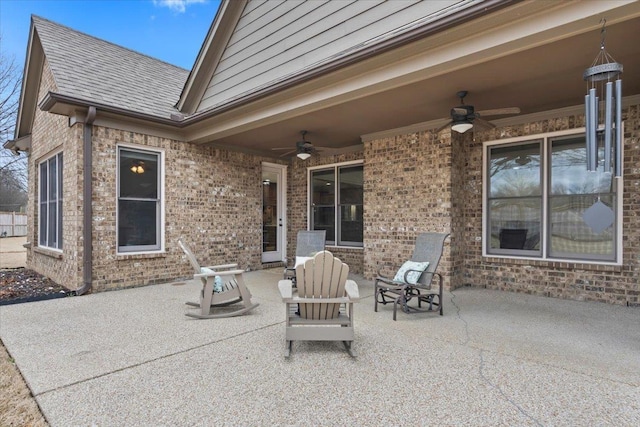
{"x":96,"y":71}
{"x":273,"y":41}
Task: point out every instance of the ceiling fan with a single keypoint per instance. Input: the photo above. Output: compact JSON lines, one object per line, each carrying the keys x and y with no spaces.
{"x":303,"y":148}
{"x":464,"y":117}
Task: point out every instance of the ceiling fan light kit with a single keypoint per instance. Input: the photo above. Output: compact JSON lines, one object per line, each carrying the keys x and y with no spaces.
{"x":304,"y":149}
{"x":464,"y":117}
{"x":461,"y":126}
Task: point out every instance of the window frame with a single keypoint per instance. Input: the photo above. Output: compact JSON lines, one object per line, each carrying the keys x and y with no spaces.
{"x":43,"y":235}
{"x":160,"y":202}
{"x":545,"y":218}
{"x":336,"y":202}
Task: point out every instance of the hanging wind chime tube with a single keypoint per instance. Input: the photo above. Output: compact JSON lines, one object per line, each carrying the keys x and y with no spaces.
{"x":609,"y":134}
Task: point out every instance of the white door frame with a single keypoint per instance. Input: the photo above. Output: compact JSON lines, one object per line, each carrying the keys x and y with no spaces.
{"x":281,"y":254}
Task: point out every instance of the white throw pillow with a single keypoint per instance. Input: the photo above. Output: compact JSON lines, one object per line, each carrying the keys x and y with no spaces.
{"x":416,"y":271}
{"x":217,"y":281}
{"x":301,"y":260}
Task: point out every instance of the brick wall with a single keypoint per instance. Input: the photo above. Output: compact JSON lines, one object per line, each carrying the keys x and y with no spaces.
{"x":51,"y":133}
{"x":213,"y":199}
{"x":408,"y":190}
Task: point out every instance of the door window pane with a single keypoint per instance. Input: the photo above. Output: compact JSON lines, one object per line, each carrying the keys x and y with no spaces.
{"x":270,"y":218}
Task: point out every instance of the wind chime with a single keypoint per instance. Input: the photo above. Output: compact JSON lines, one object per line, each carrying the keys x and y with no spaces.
{"x":599,"y":78}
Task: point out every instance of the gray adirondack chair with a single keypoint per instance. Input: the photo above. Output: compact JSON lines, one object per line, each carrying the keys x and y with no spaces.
{"x":428,"y":248}
{"x":230,"y":297}
{"x":322,"y":289}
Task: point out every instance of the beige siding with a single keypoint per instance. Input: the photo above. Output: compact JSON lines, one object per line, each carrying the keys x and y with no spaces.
{"x":275,"y":39}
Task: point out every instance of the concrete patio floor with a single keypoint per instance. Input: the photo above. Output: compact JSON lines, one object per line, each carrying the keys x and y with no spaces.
{"x":131,"y":357}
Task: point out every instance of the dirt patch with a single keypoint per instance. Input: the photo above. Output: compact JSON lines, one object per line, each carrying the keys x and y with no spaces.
{"x":23,"y":285}
{"x":17,"y":405}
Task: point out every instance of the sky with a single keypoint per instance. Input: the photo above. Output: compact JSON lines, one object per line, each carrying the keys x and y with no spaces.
{"x":170,"y":30}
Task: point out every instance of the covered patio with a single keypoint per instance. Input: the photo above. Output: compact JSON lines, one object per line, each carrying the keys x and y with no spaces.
{"x":495,"y":358}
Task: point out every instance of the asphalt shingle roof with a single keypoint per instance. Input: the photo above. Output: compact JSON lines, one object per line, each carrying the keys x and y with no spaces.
{"x":95,"y":70}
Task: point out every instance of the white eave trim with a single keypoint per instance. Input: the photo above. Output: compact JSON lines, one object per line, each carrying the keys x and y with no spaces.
{"x":20,"y":144}
{"x":210,"y":53}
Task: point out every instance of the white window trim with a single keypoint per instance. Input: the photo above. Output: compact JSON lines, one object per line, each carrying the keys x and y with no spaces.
{"x":46,"y":159}
{"x":336,"y":206}
{"x":544,"y":256}
{"x":161,"y":188}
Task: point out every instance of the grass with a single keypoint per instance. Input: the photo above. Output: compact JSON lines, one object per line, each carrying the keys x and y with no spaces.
{"x":18,"y":407}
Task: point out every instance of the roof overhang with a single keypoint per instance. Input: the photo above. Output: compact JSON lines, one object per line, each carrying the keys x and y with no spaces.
{"x":530,"y":54}
{"x":30,"y":85}
{"x":17,"y":145}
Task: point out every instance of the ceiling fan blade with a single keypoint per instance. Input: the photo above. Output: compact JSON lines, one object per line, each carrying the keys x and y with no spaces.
{"x":499,"y":111}
{"x":282,"y":148}
{"x":483,"y":124}
{"x":288,"y":153}
{"x":442,"y":127}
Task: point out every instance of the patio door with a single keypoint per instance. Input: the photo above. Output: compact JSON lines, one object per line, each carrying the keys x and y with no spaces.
{"x":274,"y":187}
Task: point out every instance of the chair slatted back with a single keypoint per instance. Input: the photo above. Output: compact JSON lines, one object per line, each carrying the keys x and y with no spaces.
{"x":323,"y":276}
{"x":429,"y":248}
{"x":190,"y":256}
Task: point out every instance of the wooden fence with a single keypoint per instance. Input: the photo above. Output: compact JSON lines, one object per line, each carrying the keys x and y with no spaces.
{"x":13,"y":224}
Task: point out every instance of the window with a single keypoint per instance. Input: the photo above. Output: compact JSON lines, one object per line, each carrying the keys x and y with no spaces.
{"x":337,"y":203}
{"x":139,"y":200}
{"x":541,"y":202}
{"x":50,"y":228}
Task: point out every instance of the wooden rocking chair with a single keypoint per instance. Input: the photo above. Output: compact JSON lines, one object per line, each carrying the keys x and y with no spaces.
{"x":322,"y":287}
{"x":216,"y":299}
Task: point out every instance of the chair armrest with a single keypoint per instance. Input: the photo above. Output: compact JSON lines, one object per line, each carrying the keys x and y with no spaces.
{"x":311,"y":300}
{"x":286,"y":289}
{"x":383,"y":270}
{"x":428,"y":286}
{"x":219,"y":273}
{"x":420,"y":273}
{"x":351,"y":288}
{"x":222,"y":266}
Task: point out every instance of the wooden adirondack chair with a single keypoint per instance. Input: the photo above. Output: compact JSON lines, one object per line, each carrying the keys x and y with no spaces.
{"x":217,"y":301}
{"x":322,"y":287}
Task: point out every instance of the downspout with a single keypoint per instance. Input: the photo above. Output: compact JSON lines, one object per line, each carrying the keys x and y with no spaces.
{"x":87,"y":195}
